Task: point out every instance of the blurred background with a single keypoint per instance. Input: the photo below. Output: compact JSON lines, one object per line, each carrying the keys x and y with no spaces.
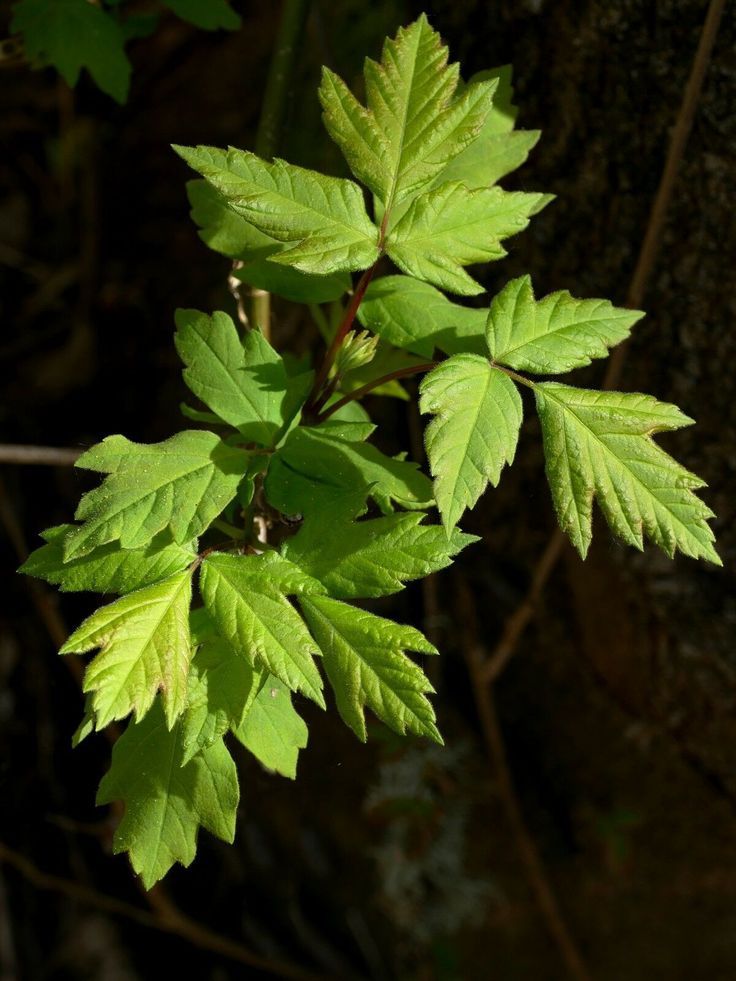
{"x":581,"y":820}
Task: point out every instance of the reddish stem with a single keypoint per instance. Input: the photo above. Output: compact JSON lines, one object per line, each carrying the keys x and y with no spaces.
{"x":369,"y":386}
{"x":345,"y":324}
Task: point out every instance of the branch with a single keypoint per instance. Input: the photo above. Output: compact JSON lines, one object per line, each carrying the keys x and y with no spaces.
{"x":167,"y":919}
{"x":519,"y":619}
{"x":528,"y":853}
{"x":49,"y":456}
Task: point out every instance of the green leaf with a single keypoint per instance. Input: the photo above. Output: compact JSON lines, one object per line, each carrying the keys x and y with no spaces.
{"x":555,"y":334}
{"x":108,"y":569}
{"x":474,"y":433}
{"x":145,"y":648}
{"x":249,"y":606}
{"x":299,"y":287}
{"x":181,"y":485}
{"x":450,"y":227}
{"x":222,"y":229}
{"x":165,"y":802}
{"x":416,"y":316}
{"x":322,"y":219}
{"x":497,"y":149}
{"x":414,"y":123}
{"x":314,"y":463}
{"x":72,"y":35}
{"x":272,"y":730}
{"x":243,"y":382}
{"x":375,"y":557}
{"x":222,"y":688}
{"x":599,"y":444}
{"x":207,"y":14}
{"x":231,"y":235}
{"x":365,"y":662}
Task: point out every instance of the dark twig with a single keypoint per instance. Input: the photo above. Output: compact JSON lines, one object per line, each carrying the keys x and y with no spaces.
{"x":167,"y":919}
{"x":533,"y":867}
{"x":519,"y":619}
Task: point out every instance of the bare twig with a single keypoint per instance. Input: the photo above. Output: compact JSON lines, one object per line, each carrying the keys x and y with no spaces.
{"x":167,"y":919}
{"x":533,"y":867}
{"x":519,"y":619}
{"x":49,"y":456}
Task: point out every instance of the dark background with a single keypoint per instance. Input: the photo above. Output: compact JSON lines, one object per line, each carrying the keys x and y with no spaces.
{"x":619,"y":707}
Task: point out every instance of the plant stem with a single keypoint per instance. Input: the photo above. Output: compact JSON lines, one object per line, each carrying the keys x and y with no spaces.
{"x":345,"y":324}
{"x":273,"y":110}
{"x":376,"y":383}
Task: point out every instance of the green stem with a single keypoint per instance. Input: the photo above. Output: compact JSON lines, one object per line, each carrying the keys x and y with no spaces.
{"x":512,"y":374}
{"x":376,"y":383}
{"x":273,"y":110}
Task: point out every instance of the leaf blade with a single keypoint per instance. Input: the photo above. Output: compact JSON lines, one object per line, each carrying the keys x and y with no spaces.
{"x":598,"y":445}
{"x":477,"y":416}
{"x":365,"y":662}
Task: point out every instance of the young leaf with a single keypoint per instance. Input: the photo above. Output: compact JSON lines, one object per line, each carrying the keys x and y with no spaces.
{"x":414,"y":123}
{"x":365,"y":662}
{"x":416,"y":316}
{"x":599,"y":443}
{"x":497,"y":149}
{"x":272,"y":730}
{"x":222,"y":687}
{"x":252,"y":613}
{"x":145,"y":648}
{"x":322,"y":218}
{"x":165,"y":801}
{"x":552,"y":335}
{"x":314,"y":461}
{"x":72,"y":35}
{"x":375,"y":557}
{"x":474,"y":433}
{"x":231,"y":235}
{"x":243,"y":382}
{"x":207,"y":14}
{"x":181,"y":484}
{"x":107,"y":569}
{"x":450,"y":227}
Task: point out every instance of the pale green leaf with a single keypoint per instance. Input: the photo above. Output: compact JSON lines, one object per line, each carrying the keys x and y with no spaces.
{"x":365,"y":662}
{"x":322,"y":219}
{"x":416,"y":316}
{"x":181,"y":485}
{"x":145,"y":647}
{"x":414,"y":122}
{"x":450,"y":227}
{"x":207,"y":14}
{"x":374,"y":557}
{"x":222,"y":687}
{"x":272,"y":730}
{"x":599,"y":444}
{"x":165,"y":802}
{"x":107,"y":569}
{"x":314,"y":463}
{"x":474,"y":433}
{"x":250,"y":609}
{"x":555,"y":334}
{"x":245,"y":382}
{"x":72,"y":35}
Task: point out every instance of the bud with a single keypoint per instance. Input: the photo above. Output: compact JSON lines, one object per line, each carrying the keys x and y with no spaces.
{"x":357,"y":351}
